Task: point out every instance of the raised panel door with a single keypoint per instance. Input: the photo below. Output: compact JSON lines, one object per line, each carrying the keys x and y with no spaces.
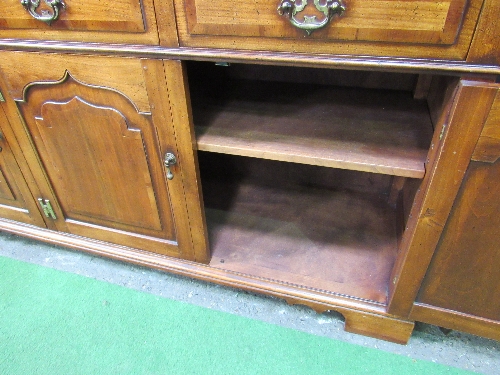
{"x":464,"y":275}
{"x":100,"y":160}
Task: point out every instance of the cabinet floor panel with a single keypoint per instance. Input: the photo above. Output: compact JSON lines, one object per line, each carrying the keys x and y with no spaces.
{"x":334,"y":240}
{"x":378,"y":131}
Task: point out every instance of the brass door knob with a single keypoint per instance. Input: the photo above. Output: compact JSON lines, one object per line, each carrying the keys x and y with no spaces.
{"x":170,"y":160}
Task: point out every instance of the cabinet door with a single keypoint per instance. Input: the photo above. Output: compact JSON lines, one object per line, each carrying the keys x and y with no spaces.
{"x":98,"y":155}
{"x":461,"y":287}
{"x":456,"y":135}
{"x":16,"y":202}
{"x":464,"y":275}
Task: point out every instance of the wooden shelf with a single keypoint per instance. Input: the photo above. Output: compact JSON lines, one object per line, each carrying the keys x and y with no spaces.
{"x":378,"y":131}
{"x":332,"y":239}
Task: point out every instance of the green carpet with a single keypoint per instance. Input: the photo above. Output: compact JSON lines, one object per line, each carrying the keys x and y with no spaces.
{"x":53,"y":322}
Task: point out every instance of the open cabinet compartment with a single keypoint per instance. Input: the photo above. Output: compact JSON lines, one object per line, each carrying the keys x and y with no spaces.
{"x":308,"y":174}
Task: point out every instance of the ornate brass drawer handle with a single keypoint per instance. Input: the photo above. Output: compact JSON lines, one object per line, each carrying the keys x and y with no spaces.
{"x":45,"y":16}
{"x":329,"y":8}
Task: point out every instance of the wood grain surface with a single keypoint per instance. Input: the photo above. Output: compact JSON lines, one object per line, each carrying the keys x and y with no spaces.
{"x":465,"y":271}
{"x":424,"y":29}
{"x":372,"y":131}
{"x":340,"y":239}
{"x":389,"y":21}
{"x":452,"y":146}
{"x":488,"y":145}
{"x":16,"y":202}
{"x":456,"y":320}
{"x":125,"y":21}
{"x":96,"y":156}
{"x":484,"y":48}
{"x":124,"y":75}
{"x":91,"y":15}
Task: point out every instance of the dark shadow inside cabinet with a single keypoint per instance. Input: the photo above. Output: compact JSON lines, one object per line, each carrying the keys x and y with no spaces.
{"x":308,"y":174}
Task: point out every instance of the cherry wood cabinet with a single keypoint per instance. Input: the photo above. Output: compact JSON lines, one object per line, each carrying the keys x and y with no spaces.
{"x":347,"y":166}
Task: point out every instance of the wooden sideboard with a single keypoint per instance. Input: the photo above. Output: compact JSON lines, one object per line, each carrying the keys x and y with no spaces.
{"x":345,"y":160}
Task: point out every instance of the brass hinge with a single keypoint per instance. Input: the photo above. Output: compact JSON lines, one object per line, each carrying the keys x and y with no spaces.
{"x":442,"y":131}
{"x":2,"y":99}
{"x":47,"y":208}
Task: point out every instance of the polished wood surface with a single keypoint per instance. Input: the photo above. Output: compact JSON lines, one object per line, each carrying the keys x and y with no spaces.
{"x":484,"y":48}
{"x":488,"y":145}
{"x":395,"y":28}
{"x":464,"y":274}
{"x":96,"y":158}
{"x":174,"y":121}
{"x":389,"y":329}
{"x":456,"y":320}
{"x":77,"y":15}
{"x":167,"y":27}
{"x":100,"y":109}
{"x":283,"y":58}
{"x":123,"y":75}
{"x":452,"y":146}
{"x":417,"y":21}
{"x":127,"y":21}
{"x":465,"y":271}
{"x":16,"y":202}
{"x":313,"y":229}
{"x":366,"y":130}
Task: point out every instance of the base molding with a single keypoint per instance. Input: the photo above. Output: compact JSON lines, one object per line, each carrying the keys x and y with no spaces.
{"x":455,"y":320}
{"x":363,"y":317}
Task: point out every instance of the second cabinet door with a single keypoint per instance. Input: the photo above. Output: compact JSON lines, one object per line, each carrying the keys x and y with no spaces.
{"x":16,"y":202}
{"x":98,"y":131}
{"x":462,"y":284}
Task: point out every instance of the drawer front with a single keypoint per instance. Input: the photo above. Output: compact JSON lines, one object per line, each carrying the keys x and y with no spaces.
{"x":403,"y":24}
{"x":80,"y":15}
{"x":416,"y":21}
{"x":80,"y":20}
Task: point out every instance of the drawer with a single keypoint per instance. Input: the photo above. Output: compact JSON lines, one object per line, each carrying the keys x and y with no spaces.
{"x":79,"y":20}
{"x":415,"y":28}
